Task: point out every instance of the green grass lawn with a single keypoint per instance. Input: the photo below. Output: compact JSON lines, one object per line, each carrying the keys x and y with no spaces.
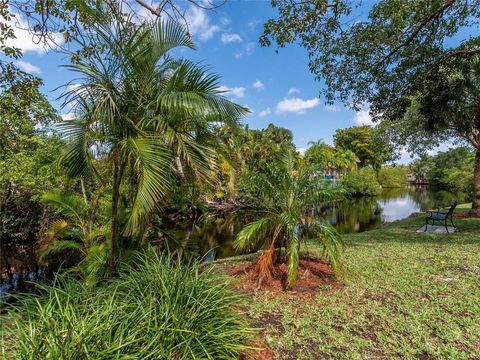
{"x":407,"y":295}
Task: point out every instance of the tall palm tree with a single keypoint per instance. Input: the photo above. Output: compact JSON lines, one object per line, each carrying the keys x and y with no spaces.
{"x":143,"y":112}
{"x":287,"y":222}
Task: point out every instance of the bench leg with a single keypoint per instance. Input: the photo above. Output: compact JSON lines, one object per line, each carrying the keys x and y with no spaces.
{"x":426,"y":225}
{"x":446,"y":227}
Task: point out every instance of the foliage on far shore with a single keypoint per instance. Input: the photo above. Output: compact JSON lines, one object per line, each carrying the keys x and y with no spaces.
{"x":393,"y":176}
{"x":449,"y":169}
{"x":362,"y":182}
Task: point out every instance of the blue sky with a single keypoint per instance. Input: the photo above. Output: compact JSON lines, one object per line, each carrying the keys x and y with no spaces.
{"x":278,"y":87}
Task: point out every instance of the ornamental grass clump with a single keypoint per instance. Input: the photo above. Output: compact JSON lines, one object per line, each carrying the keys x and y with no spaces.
{"x":155,"y":309}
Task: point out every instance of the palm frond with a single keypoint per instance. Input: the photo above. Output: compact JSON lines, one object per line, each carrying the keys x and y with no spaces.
{"x":192,"y":90}
{"x":153,"y":162}
{"x":58,"y":246}
{"x":253,"y":233}
{"x":94,"y":265}
{"x":330,"y":241}
{"x":70,"y":205}
{"x":293,"y":259}
{"x":57,"y":229}
{"x":167,"y":35}
{"x":76,"y":158}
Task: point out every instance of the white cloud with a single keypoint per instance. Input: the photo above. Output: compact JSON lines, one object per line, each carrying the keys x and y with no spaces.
{"x":258,"y":85}
{"x":293,"y":91}
{"x":253,"y":24}
{"x":225,"y":21}
{"x":238,"y":92}
{"x":296,"y":105}
{"x":73,"y":87}
{"x":199,"y":23}
{"x":247,"y":50}
{"x":265,"y":112}
{"x":230,"y":38}
{"x":68,"y":116}
{"x":332,"y":108}
{"x":29,"y":42}
{"x":301,"y":151}
{"x":362,"y":117}
{"x":29,"y":67}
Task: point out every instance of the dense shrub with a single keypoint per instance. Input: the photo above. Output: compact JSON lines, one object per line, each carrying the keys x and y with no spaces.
{"x":393,"y":176}
{"x":155,"y":309}
{"x":362,"y":182}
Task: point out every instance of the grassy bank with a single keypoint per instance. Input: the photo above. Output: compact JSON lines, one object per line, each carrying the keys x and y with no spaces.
{"x":407,"y":295}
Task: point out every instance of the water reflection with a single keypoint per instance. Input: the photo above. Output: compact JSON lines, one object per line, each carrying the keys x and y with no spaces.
{"x":212,"y":237}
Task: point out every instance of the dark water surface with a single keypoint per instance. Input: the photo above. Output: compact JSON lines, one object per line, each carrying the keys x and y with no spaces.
{"x":212,"y":237}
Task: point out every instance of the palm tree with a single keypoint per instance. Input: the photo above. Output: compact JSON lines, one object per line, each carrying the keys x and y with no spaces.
{"x":143,"y":112}
{"x":75,"y":229}
{"x":287,"y":223}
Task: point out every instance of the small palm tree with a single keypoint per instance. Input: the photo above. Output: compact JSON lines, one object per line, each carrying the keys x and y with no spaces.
{"x":287,"y":223}
{"x":75,"y":229}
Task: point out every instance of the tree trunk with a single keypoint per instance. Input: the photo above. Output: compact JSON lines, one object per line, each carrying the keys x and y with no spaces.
{"x":476,"y":172}
{"x":476,"y":185}
{"x":115,"y":199}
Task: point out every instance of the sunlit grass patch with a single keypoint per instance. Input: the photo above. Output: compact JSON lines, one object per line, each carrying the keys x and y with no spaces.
{"x":407,"y":295}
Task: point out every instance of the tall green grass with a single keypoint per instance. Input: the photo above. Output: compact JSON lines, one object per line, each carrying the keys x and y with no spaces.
{"x":155,"y":309}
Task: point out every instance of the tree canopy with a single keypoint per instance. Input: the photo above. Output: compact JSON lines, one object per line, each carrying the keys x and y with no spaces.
{"x":379,"y":59}
{"x":408,"y":60}
{"x":366,"y":143}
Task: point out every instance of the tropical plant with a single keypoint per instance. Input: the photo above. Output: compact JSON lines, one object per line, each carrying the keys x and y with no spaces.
{"x":155,"y":309}
{"x":330,"y":159}
{"x":27,"y":154}
{"x":287,"y":222}
{"x":77,"y":230}
{"x":261,"y":154}
{"x":144,"y":113}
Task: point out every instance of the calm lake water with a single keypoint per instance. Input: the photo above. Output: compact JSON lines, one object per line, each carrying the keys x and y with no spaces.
{"x":212,"y":238}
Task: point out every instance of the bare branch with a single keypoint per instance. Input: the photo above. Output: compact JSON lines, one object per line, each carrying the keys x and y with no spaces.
{"x":154,"y":11}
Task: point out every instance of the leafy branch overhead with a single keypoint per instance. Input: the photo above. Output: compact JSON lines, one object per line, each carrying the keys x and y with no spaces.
{"x":378,"y":59}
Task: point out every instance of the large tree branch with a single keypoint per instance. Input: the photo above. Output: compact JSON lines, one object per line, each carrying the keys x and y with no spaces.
{"x":424,"y":22}
{"x":459,"y":52}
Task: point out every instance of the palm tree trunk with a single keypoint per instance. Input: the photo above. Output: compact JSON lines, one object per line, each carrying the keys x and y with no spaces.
{"x":115,"y":199}
{"x":84,"y":193}
{"x":476,"y":185}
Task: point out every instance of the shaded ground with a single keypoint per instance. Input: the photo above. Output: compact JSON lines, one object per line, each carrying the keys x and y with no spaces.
{"x":465,"y":215}
{"x":407,"y":295}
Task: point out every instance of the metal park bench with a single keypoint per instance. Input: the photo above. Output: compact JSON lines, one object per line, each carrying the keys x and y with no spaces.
{"x":438,"y":216}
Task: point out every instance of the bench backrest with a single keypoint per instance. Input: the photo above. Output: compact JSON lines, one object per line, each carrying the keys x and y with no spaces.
{"x":452,"y":207}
